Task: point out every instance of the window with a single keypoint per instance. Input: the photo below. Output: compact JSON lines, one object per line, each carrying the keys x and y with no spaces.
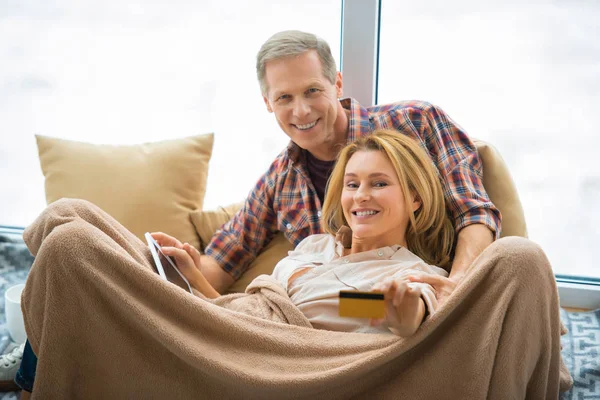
{"x":526,"y":78}
{"x":124,"y":72}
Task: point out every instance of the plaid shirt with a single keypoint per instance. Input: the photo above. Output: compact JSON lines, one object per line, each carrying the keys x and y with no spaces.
{"x":284,"y":199}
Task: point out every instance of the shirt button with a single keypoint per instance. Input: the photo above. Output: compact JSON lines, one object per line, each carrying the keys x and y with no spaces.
{"x":289,"y":226}
{"x":346,"y":261}
{"x":319,"y":214}
{"x":380,"y":253}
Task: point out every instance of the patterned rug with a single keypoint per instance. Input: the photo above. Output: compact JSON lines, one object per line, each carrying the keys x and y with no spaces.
{"x":581,"y":346}
{"x":581,"y":352}
{"x":15,"y":262}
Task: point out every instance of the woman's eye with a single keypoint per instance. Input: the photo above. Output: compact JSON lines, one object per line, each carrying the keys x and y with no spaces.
{"x":380,"y":184}
{"x":351,"y":185}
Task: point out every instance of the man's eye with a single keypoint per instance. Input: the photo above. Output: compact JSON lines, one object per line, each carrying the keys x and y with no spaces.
{"x":313,"y":90}
{"x":283,"y":97}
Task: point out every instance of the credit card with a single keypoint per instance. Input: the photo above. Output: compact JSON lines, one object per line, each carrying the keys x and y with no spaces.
{"x":357,"y":304}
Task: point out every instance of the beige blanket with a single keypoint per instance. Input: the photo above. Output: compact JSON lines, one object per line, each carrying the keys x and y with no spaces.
{"x":105,"y":326}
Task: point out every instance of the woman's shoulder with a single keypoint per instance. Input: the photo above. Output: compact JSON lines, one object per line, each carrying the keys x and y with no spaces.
{"x":315,"y":244}
{"x":313,"y":250}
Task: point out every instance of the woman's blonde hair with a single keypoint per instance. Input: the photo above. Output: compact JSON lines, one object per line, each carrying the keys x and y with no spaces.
{"x":430,"y":233}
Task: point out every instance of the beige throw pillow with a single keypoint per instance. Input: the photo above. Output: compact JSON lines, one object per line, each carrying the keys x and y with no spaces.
{"x":502,"y":191}
{"x":208,"y":222}
{"x":146,"y":187}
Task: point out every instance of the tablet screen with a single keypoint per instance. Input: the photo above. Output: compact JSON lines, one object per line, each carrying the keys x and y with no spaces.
{"x":165,"y":265}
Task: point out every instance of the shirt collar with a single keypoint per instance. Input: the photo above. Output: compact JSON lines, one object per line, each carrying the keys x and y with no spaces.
{"x":294,"y":152}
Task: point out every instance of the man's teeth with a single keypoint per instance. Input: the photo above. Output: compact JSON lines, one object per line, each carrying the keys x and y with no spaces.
{"x":307,"y":126}
{"x":365,"y":213}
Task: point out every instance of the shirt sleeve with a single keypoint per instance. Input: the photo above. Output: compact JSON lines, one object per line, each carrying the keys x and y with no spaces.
{"x":458,"y":162}
{"x":240,"y":240}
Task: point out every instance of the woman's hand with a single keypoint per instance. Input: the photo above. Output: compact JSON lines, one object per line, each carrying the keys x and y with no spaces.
{"x":165,"y":240}
{"x":443,"y":286}
{"x":187,"y":259}
{"x":404,"y":308}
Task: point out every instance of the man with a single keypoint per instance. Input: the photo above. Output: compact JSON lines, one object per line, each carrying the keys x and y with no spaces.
{"x":301,"y":86}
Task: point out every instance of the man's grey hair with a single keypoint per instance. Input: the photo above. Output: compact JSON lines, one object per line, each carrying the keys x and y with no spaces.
{"x":291,"y":44}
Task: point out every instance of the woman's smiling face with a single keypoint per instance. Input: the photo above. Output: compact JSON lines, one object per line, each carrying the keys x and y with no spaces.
{"x":373,"y":201}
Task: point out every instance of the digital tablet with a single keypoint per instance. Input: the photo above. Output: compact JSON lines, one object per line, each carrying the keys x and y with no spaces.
{"x":165,"y":265}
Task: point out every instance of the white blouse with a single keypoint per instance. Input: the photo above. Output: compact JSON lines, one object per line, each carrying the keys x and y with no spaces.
{"x":316,"y":292}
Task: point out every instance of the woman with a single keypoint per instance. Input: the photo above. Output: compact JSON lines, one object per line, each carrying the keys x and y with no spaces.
{"x":385,"y":221}
{"x":384,"y":195}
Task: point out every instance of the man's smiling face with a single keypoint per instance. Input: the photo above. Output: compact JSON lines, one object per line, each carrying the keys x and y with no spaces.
{"x":304,"y":101}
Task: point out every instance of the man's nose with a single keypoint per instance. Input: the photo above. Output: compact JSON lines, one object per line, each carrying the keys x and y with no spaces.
{"x":301,"y":108}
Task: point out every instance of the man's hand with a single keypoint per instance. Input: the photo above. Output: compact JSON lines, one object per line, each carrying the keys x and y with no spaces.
{"x":187,"y":259}
{"x":404,"y":308}
{"x":443,"y":286}
{"x":472,"y":240}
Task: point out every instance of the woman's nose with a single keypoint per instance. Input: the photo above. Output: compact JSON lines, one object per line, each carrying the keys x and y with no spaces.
{"x":362,"y":194}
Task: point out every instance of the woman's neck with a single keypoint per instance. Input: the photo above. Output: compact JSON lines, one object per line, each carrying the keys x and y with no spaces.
{"x":360,"y":245}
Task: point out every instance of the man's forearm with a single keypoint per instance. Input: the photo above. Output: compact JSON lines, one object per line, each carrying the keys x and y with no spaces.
{"x":214,"y":274}
{"x":472,"y":240}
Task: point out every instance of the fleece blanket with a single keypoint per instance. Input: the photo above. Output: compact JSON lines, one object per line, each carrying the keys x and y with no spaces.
{"x":104,"y":325}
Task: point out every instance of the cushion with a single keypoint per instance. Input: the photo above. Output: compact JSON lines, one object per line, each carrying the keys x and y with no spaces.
{"x":209,"y":221}
{"x":502,"y":190}
{"x":146,"y":187}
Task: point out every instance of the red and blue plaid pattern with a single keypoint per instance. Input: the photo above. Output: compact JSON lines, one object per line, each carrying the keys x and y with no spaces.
{"x":284,"y":199}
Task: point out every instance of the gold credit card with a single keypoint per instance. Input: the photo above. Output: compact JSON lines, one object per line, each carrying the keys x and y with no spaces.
{"x":361,"y":304}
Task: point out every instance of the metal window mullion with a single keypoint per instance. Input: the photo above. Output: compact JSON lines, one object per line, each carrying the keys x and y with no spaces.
{"x":360,"y":49}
